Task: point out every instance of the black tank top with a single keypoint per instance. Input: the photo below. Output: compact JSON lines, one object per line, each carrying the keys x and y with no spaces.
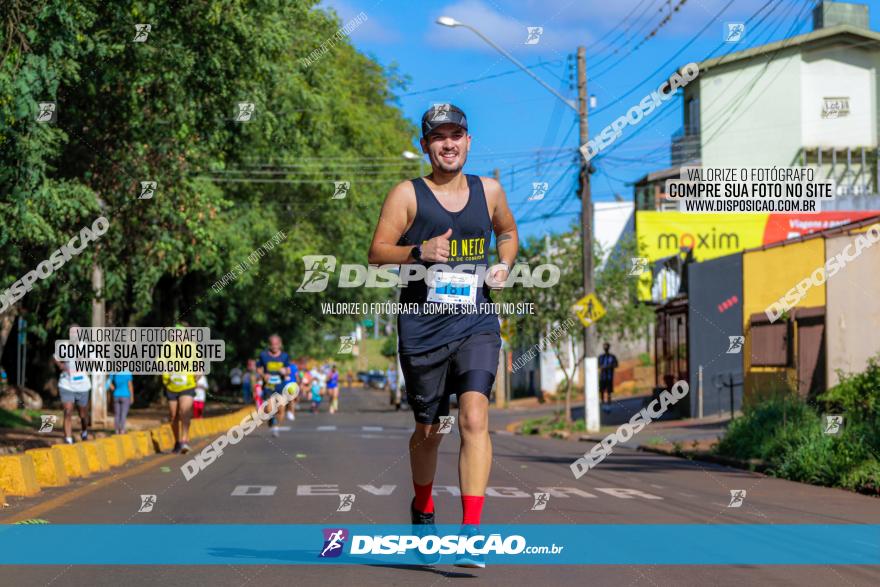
{"x":468,"y":245}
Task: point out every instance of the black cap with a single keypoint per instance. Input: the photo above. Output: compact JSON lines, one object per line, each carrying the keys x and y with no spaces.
{"x":440,"y":114}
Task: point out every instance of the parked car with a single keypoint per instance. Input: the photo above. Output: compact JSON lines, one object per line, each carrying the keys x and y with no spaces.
{"x":376,"y":379}
{"x":363,"y":377}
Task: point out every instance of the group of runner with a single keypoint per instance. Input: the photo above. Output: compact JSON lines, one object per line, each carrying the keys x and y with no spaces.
{"x":275,"y":372}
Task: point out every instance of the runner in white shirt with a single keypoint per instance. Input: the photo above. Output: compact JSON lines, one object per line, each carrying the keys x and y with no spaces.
{"x":74,"y":388}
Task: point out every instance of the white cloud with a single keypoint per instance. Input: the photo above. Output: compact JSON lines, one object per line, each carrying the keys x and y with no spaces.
{"x":506,"y":29}
{"x":371,"y":31}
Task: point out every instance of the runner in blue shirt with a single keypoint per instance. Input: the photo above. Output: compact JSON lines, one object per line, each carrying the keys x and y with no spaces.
{"x":272,"y":368}
{"x":333,"y":389}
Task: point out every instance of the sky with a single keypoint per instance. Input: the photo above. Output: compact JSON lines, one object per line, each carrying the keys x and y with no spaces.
{"x":518,"y":126}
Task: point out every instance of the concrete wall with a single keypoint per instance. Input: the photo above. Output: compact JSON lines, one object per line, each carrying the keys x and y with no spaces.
{"x":852,"y":316}
{"x":765,"y":124}
{"x":767,"y":276}
{"x":839,"y":72}
{"x":746,"y":125}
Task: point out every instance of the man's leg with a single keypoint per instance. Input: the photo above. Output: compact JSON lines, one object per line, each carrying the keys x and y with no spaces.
{"x":68,"y":419}
{"x":84,"y":420}
{"x":475,"y":458}
{"x":184,"y":413}
{"x":423,"y":446}
{"x":173,"y":414}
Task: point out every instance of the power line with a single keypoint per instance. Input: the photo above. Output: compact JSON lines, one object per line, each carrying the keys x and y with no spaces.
{"x":478,"y":79}
{"x":649,"y":36}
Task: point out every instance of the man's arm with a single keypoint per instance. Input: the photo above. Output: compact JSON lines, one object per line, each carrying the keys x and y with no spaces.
{"x":397,"y":212}
{"x":393,"y":221}
{"x":504,"y":225}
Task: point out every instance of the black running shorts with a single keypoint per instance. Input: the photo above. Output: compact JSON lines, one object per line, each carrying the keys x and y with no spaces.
{"x":465,"y":364}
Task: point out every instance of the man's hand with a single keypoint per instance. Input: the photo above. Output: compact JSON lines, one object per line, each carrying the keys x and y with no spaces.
{"x":436,"y":250}
{"x":498,"y":275}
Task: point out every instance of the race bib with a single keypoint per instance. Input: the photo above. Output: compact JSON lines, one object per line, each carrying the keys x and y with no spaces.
{"x":453,"y":288}
{"x":179,"y":379}
{"x":78,"y":378}
{"x":274,"y":379}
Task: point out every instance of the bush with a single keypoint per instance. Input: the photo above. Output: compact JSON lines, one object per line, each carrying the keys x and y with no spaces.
{"x":800,"y":450}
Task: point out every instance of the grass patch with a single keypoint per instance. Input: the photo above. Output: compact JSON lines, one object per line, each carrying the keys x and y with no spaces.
{"x":20,"y":418}
{"x":548,"y":424}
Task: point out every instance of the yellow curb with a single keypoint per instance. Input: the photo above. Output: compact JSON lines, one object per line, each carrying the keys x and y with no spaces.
{"x":49,"y":466}
{"x":75,"y":461}
{"x":129,"y":448}
{"x":155,"y":439}
{"x":115,"y":458}
{"x":144,"y":443}
{"x":96,"y":456}
{"x":167,"y":437}
{"x":18,"y":476}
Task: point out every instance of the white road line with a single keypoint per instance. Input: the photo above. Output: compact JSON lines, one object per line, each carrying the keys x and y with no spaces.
{"x":254,"y":490}
{"x":326,"y":428}
{"x":372,"y":428}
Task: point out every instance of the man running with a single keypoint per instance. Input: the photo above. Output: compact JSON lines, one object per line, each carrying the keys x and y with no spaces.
{"x":74,"y":388}
{"x":272,"y":368}
{"x":447,"y":219}
{"x":333,"y":389}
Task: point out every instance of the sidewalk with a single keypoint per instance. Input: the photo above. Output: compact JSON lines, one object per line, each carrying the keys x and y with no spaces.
{"x":18,"y":440}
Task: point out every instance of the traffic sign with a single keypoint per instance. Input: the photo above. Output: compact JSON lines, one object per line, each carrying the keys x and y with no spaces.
{"x":589,"y":309}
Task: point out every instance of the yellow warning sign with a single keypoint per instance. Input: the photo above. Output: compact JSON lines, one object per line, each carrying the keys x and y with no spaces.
{"x":506,"y":330}
{"x":589,"y":310}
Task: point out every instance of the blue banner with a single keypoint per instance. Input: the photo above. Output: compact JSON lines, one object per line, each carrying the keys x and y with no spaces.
{"x":526,"y":544}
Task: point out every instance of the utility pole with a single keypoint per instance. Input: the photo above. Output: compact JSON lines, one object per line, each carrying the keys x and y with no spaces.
{"x":591,"y":392}
{"x":502,"y":385}
{"x":99,"y":319}
{"x":99,"y":395}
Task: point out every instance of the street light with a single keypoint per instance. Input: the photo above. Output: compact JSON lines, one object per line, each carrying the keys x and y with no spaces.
{"x":452,"y":23}
{"x":580,"y":107}
{"x":410,"y":156}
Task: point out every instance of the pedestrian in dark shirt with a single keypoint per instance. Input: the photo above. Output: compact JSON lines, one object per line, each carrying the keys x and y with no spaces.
{"x":607,"y":365}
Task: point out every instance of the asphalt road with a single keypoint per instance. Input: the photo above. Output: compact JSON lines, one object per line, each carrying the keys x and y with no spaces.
{"x":295,"y":479}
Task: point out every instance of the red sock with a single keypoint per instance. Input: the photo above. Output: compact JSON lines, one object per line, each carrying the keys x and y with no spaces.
{"x":472,"y":508}
{"x":424,"y":501}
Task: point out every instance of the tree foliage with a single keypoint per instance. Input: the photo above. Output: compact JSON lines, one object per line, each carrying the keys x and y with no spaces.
{"x":165,"y":110}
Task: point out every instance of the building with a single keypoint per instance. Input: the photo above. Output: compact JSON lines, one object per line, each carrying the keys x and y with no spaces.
{"x":809,"y":100}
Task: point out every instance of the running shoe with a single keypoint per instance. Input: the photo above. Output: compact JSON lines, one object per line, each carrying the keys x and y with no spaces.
{"x":68,"y":439}
{"x":176,"y":448}
{"x":275,"y":431}
{"x":468,"y":560}
{"x":290,"y":416}
{"x":84,"y":435}
{"x":423,"y":525}
{"x":184,"y":448}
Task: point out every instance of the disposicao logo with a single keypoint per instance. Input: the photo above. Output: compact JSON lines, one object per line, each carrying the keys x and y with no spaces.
{"x":334,"y":541}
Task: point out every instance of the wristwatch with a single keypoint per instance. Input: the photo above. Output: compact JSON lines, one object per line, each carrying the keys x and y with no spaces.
{"x":417,"y":253}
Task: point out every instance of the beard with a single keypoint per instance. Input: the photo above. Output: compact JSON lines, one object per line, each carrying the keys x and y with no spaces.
{"x":455,"y":167}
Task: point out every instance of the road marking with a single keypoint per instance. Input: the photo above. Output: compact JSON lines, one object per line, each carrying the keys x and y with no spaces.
{"x":254,"y":490}
{"x":372,"y":428}
{"x":655,"y":486}
{"x":384,"y":490}
{"x":686,"y":494}
{"x":623,"y":493}
{"x":283,"y":428}
{"x":325,"y":428}
{"x":515,"y":492}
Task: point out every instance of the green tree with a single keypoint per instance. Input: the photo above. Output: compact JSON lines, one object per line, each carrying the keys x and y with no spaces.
{"x":554,"y":324}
